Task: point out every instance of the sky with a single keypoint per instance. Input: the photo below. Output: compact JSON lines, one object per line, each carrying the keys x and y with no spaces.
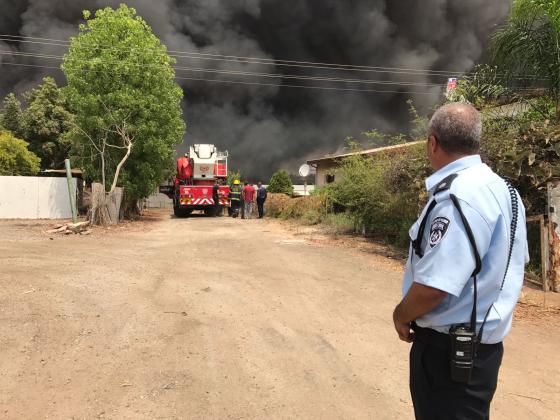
{"x":265,"y":126}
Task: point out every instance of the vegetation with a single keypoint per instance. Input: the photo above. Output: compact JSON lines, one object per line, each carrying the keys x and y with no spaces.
{"x":280,"y":182}
{"x":11,"y":118}
{"x":527,"y":47}
{"x":382,"y":195}
{"x":46,"y":123}
{"x":15,"y":158}
{"x":126,"y":103}
{"x":233,"y":175}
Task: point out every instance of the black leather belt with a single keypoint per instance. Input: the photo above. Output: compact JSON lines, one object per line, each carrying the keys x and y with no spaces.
{"x":440,"y":340}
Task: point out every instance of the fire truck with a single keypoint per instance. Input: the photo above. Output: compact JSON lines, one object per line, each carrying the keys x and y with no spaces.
{"x":197,"y":173}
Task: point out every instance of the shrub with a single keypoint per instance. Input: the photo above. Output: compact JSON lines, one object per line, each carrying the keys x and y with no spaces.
{"x":15,"y":159}
{"x":340,"y":223}
{"x":382,"y":194}
{"x":280,"y":182}
{"x":311,"y":217}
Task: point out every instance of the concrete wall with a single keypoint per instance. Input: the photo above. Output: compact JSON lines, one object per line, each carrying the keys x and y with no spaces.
{"x":30,"y":197}
{"x":158,"y":201}
{"x":323,"y":169}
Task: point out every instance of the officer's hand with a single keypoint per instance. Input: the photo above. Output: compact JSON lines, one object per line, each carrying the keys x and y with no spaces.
{"x":403,"y":330}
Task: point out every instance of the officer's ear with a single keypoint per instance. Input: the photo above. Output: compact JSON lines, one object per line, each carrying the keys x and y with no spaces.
{"x":433,"y":144}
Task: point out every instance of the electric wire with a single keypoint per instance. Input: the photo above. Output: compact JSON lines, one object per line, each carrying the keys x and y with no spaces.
{"x":253,"y":60}
{"x":253,"y":83}
{"x":245,"y":73}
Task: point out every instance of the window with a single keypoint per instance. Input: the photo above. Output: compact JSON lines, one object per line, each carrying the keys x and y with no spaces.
{"x":329,"y":178}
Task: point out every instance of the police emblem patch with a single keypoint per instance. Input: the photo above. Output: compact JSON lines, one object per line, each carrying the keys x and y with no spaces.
{"x":438,"y":230}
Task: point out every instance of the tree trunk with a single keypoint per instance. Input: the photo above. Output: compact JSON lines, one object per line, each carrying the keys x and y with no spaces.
{"x":554,"y":234}
{"x":105,"y":207}
{"x":114,"y":200}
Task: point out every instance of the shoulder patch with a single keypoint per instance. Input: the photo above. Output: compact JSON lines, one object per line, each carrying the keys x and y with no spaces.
{"x":438,"y":230}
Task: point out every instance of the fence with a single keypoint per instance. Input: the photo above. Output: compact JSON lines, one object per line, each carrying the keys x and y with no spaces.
{"x":30,"y":197}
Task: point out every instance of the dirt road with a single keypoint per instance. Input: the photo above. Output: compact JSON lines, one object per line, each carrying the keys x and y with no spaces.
{"x":219,"y":318}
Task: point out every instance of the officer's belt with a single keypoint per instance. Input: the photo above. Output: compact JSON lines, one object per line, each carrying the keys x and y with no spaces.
{"x":436,"y":338}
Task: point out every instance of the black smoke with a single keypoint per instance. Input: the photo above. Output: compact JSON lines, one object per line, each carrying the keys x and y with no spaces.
{"x":267,"y":127}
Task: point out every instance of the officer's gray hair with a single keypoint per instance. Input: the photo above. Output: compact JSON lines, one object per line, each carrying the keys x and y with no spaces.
{"x":457,"y":128}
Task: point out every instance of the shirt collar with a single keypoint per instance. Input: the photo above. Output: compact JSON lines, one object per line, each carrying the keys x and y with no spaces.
{"x":451,"y":168}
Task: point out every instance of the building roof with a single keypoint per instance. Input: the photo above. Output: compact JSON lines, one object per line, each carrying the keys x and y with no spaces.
{"x":365,"y":152}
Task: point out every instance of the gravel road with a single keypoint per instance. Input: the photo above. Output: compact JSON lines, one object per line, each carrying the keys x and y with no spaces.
{"x":215,"y":318}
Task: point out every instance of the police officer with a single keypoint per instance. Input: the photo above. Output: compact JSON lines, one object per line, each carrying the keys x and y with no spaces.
{"x":235,"y":198}
{"x":459,"y":255}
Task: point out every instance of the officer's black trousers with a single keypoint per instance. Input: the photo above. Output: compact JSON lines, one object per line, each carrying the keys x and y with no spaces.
{"x":435,"y":396}
{"x":260,"y":206}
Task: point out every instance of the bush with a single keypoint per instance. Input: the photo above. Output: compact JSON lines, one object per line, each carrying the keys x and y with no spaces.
{"x":276,"y":204}
{"x":280,"y":182}
{"x":311,"y":217}
{"x":310,"y":209}
{"x":340,"y":223}
{"x":15,"y":159}
{"x":382,"y":194}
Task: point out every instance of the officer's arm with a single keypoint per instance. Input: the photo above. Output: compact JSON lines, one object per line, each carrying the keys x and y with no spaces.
{"x":419,"y":301}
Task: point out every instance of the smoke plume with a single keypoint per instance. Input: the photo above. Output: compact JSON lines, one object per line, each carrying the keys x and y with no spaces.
{"x":269,"y":127}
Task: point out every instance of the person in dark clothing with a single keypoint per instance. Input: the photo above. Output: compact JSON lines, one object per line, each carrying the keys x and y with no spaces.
{"x":216,"y":197}
{"x":261,"y":198}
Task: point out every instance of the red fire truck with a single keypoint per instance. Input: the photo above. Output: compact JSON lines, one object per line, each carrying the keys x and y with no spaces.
{"x":197,"y":173}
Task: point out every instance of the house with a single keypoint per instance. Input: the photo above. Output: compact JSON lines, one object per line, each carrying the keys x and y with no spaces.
{"x":325,"y":166}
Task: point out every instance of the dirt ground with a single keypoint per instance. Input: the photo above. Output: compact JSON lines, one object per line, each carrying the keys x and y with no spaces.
{"x":229,"y":319}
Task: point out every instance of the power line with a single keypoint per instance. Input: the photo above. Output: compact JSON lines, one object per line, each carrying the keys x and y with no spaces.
{"x":251,"y":60}
{"x":268,"y":61}
{"x":251,"y":83}
{"x":247,"y":73}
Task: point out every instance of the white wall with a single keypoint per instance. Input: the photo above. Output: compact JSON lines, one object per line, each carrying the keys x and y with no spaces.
{"x":159,"y":201}
{"x":303,"y":190}
{"x":30,"y":197}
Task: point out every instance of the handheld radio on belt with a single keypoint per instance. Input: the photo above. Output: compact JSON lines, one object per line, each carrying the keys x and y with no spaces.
{"x":464,"y":338}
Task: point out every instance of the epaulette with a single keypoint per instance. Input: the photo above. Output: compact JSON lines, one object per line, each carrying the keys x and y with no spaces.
{"x":445,"y":183}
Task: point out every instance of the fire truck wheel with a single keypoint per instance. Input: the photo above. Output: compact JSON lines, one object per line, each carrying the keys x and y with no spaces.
{"x":179,"y":212}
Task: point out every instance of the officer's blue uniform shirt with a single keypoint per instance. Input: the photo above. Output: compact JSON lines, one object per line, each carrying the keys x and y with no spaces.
{"x":448,"y":260}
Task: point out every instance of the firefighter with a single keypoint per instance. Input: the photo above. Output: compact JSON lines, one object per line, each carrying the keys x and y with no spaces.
{"x":235,"y":197}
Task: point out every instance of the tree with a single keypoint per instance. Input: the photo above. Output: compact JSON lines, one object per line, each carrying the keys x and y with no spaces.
{"x":233,"y":175}
{"x":12,"y":116}
{"x":280,"y":182}
{"x":527,"y":47}
{"x":15,"y":159}
{"x":47,"y":122}
{"x":126,"y":103}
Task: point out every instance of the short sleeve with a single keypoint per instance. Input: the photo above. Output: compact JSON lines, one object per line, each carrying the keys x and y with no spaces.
{"x":448,"y":261}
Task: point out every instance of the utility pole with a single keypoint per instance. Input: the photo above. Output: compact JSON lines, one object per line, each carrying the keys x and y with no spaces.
{"x":71,"y":192}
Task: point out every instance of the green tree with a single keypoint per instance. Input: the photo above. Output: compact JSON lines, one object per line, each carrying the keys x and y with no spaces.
{"x":126,"y":103}
{"x":12,"y":116}
{"x":15,"y":158}
{"x":232,"y":176}
{"x":527,"y":47}
{"x":46,"y":123}
{"x":280,"y":182}
{"x":482,"y":89}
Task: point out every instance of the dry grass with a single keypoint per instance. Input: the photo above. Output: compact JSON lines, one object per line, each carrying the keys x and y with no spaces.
{"x":310,"y":209}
